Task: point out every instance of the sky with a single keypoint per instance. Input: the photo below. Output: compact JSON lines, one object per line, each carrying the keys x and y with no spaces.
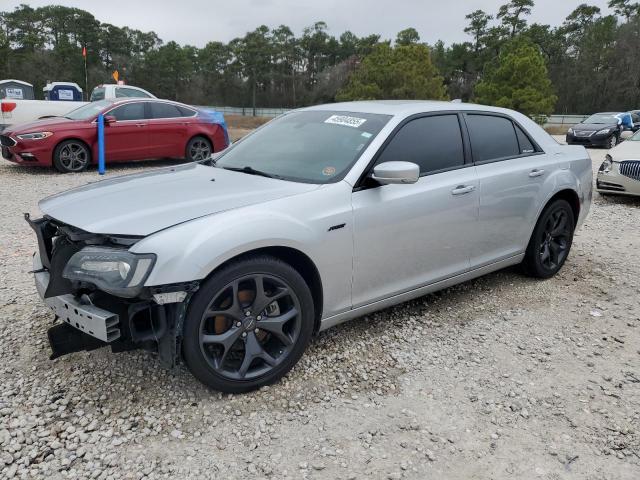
{"x":197,"y":22}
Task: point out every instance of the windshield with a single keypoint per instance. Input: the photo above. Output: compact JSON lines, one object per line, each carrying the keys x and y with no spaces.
{"x":635,"y":137}
{"x":88,"y":111}
{"x":607,"y":118}
{"x":311,"y":146}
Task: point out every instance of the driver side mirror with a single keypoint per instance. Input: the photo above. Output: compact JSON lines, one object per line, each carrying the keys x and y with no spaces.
{"x":396,"y":173}
{"x":109,"y":119}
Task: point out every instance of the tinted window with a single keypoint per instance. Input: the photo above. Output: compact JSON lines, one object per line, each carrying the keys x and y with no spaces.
{"x":164,"y":110}
{"x":492,"y":137}
{"x":130,"y":111}
{"x":130,"y":92}
{"x":433,"y":143}
{"x":97,"y":94}
{"x":525,"y":144}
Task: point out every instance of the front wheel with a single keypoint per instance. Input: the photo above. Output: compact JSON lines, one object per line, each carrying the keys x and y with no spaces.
{"x":248,"y":325}
{"x":612,"y":141}
{"x":71,"y":156}
{"x":551,"y":240}
{"x":198,"y":148}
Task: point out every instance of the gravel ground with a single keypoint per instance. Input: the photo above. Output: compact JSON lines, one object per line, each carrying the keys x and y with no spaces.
{"x":502,"y":377}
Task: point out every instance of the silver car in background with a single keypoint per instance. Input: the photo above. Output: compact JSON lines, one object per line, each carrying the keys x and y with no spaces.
{"x":619,"y":174}
{"x":324,"y":214}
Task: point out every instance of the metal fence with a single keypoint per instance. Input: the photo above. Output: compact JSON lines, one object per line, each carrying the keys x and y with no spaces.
{"x":564,"y":120}
{"x":248,"y":111}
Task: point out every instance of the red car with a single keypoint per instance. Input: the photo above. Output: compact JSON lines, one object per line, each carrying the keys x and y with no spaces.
{"x":135,"y":129}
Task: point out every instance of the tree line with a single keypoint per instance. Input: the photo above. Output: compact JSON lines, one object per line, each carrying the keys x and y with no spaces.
{"x":590,"y":62}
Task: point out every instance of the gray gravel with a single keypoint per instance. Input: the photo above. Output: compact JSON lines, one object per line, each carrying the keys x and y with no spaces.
{"x":502,"y":377}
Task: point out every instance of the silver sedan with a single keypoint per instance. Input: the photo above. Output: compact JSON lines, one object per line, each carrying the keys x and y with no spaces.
{"x":324,"y":214}
{"x":619,"y":174}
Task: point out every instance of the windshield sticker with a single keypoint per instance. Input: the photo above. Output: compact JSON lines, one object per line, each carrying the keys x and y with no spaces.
{"x":367,"y":134}
{"x":328,"y":171}
{"x":345,"y":121}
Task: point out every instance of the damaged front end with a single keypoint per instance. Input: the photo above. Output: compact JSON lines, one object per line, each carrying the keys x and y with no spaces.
{"x":95,"y":287}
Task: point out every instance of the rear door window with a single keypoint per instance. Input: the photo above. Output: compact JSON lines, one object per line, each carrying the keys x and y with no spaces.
{"x":492,"y":137}
{"x":434,"y":143}
{"x":124,"y":92}
{"x":526,"y":146}
{"x":129,"y":111}
{"x":164,"y":110}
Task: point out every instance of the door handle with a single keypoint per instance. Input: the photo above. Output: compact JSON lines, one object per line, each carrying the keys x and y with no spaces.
{"x":462,"y":189}
{"x":536,"y":173}
{"x":141,"y":124}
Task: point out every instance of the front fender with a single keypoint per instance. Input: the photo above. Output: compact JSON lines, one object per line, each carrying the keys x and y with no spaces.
{"x":318,"y":224}
{"x":192,"y":250}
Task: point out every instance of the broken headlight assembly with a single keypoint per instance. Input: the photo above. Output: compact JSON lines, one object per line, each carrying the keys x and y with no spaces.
{"x":114,"y":271}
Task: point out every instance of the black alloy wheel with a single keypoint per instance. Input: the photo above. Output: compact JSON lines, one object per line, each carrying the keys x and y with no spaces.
{"x":551,"y":240}
{"x":248,"y":325}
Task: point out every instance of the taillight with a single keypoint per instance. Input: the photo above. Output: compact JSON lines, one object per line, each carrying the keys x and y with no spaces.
{"x":7,"y":107}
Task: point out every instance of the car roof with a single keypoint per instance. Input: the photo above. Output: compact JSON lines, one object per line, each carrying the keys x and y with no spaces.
{"x":402,"y":107}
{"x":123,"y":100}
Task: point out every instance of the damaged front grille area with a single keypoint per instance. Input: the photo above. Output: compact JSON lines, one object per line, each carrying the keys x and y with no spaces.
{"x":91,"y":318}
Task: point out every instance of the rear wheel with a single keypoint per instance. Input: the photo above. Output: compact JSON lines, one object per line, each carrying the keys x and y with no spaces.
{"x":248,"y":325}
{"x":198,"y":148}
{"x":551,"y":240}
{"x":71,"y":156}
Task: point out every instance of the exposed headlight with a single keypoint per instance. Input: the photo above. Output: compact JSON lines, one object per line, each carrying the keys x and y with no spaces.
{"x":604,"y":131}
{"x":607,"y":164}
{"x":114,"y":271}
{"x":570,"y":130}
{"x":34,"y":136}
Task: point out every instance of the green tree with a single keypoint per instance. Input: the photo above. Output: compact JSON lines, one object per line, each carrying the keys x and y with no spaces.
{"x":512,"y":15}
{"x":401,"y":72}
{"x":407,"y":36}
{"x":477,"y":28}
{"x":518,"y":80}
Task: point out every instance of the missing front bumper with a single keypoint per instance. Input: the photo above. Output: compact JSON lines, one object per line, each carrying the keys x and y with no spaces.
{"x":78,"y":313}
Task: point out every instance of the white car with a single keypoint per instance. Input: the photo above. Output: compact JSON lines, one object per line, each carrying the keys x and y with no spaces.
{"x":619,"y":174}
{"x":15,"y":112}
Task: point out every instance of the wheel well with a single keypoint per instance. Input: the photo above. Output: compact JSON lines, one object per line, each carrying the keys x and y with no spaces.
{"x":571,"y":197}
{"x":53,"y":152}
{"x":199,"y":135}
{"x":301,"y":263}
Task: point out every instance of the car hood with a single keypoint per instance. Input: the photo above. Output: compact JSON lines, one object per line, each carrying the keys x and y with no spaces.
{"x":593,"y":126}
{"x":144,"y":203}
{"x":40,"y":125}
{"x":627,"y":150}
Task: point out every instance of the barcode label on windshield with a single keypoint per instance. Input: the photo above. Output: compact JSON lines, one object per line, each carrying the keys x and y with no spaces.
{"x":345,"y":120}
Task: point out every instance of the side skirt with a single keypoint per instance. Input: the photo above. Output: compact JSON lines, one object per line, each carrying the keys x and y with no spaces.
{"x":418,"y":292}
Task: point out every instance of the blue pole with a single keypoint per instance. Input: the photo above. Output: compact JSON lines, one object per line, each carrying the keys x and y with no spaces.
{"x":101,"y":168}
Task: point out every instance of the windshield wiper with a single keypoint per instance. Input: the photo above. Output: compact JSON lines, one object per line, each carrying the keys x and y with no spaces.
{"x":251,"y":171}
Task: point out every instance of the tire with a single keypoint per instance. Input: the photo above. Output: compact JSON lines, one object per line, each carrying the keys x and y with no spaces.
{"x":71,"y":156}
{"x":612,"y":141}
{"x":233,"y":351}
{"x":199,"y":148}
{"x":550,"y":241}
